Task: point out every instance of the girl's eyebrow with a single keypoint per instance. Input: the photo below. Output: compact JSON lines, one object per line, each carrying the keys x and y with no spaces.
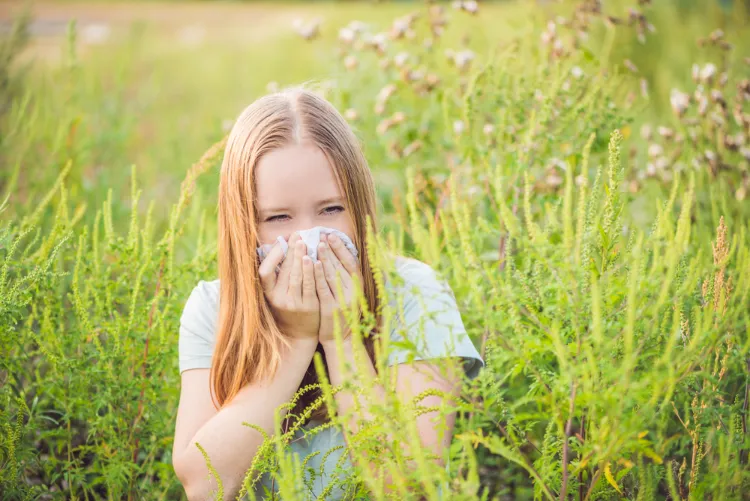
{"x":331,"y":200}
{"x":275,"y":209}
{"x":287,"y":209}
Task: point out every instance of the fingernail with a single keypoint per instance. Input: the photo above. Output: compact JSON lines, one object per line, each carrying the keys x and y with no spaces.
{"x":333,"y":238}
{"x":322,"y":246}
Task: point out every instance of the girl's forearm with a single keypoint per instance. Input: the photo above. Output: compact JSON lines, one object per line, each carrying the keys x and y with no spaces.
{"x":230,"y":445}
{"x":345,"y":400}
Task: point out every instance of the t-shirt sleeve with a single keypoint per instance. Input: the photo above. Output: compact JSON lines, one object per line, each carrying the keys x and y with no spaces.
{"x":430,"y":325}
{"x":197,"y":328}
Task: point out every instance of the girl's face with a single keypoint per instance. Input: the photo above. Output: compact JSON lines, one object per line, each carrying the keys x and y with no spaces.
{"x":297,"y":190}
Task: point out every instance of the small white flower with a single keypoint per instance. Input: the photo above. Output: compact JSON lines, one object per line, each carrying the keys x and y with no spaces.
{"x":577,"y":72}
{"x":458,"y":127}
{"x":665,"y":132}
{"x":707,"y":72}
{"x":488,"y":129}
{"x":401,"y":59}
{"x":655,"y":150}
{"x":471,"y":6}
{"x":386,"y":92}
{"x":351,"y":114}
{"x":350,"y":62}
{"x":357,"y":26}
{"x":463,"y":58}
{"x":680,"y":101}
{"x":347,"y":35}
{"x":696,"y":72}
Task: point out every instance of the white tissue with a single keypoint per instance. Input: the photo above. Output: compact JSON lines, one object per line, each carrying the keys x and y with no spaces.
{"x":311,"y":238}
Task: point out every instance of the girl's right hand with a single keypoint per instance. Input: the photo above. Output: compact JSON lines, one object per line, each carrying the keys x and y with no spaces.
{"x":291,"y":293}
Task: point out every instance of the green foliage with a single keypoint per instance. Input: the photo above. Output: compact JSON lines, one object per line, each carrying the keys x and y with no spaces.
{"x":616,"y":350}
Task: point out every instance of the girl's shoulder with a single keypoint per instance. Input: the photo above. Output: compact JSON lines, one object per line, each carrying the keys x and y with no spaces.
{"x":414,"y":276}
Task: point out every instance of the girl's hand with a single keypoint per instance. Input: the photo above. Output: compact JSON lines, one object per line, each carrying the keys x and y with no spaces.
{"x":335,"y":262}
{"x":291,"y":294}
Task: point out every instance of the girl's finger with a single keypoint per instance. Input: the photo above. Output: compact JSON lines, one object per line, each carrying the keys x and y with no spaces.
{"x":286,"y":265}
{"x":308,"y":281}
{"x":329,"y":268}
{"x":345,"y":256}
{"x":321,"y":284}
{"x":346,"y":279}
{"x":267,"y":269}
{"x":295,"y":277}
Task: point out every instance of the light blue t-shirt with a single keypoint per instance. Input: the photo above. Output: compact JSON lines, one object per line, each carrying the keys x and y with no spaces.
{"x":429,"y":317}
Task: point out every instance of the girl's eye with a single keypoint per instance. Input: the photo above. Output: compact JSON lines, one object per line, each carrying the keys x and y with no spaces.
{"x":276,"y":218}
{"x":334,"y":209}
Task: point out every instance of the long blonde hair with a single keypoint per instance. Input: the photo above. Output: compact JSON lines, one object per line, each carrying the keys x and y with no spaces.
{"x":248,"y":341}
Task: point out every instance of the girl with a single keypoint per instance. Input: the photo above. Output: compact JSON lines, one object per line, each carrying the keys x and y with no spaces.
{"x":247,"y":339}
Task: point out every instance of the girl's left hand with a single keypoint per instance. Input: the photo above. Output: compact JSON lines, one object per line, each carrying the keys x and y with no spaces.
{"x":335,"y":262}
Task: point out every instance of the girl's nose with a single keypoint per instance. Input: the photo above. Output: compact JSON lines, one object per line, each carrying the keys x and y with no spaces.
{"x":303,"y":224}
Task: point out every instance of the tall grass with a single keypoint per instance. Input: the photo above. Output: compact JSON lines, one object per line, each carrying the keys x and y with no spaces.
{"x":613,"y":321}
